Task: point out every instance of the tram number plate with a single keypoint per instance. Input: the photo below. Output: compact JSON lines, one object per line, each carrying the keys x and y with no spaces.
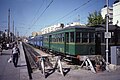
{"x":107,"y":34}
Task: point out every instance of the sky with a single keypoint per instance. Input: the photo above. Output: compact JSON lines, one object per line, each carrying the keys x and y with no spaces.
{"x":33,"y":15}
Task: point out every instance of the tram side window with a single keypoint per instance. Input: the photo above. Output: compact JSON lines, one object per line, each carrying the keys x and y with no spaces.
{"x":62,"y":37}
{"x":91,"y":37}
{"x":84,"y":37}
{"x":71,"y":36}
{"x":77,"y":37}
{"x":52,"y":38}
{"x":55,"y":38}
{"x":67,"y":37}
{"x":46,"y":39}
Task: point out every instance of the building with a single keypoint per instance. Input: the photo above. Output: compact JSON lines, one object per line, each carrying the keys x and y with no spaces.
{"x":39,"y":32}
{"x":116,"y":13}
{"x":52,"y":28}
{"x":110,"y":11}
{"x":34,"y":34}
{"x":73,"y":24}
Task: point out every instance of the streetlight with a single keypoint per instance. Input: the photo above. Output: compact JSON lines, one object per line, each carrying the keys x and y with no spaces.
{"x":107,"y":34}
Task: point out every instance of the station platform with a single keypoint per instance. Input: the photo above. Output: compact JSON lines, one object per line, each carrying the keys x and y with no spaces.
{"x":8,"y":71}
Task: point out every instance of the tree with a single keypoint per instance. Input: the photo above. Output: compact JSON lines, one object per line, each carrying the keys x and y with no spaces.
{"x":116,"y":1}
{"x":95,"y":18}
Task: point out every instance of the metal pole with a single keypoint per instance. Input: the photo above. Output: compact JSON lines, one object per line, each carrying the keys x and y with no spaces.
{"x":107,"y":32}
{"x":8,"y":23}
{"x":17,"y":34}
{"x":13,"y":32}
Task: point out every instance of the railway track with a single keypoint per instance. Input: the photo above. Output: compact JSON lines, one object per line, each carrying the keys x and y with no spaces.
{"x":31,"y":56}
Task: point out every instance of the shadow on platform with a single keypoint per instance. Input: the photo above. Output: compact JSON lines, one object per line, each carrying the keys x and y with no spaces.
{"x":21,"y":65}
{"x":50,"y":71}
{"x":6,"y":53}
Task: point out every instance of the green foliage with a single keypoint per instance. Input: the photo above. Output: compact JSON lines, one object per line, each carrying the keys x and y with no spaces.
{"x":116,"y":1}
{"x":95,"y":18}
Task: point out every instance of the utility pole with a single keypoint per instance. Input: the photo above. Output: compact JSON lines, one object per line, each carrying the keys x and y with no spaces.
{"x":107,"y":34}
{"x":17,"y":34}
{"x":13,"y":32}
{"x":8,"y":25}
{"x":79,"y":18}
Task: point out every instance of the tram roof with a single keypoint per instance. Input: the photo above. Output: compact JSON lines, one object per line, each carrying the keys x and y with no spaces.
{"x":103,"y":27}
{"x":70,"y":27}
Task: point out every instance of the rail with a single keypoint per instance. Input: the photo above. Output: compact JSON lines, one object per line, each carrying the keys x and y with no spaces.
{"x":30,"y":56}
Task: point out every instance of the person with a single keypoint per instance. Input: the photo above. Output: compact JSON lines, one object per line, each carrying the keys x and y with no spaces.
{"x":4,"y":45}
{"x":7,"y":46}
{"x":16,"y":53}
{"x":0,"y":49}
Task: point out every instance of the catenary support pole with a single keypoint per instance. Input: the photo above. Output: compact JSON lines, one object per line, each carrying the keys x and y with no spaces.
{"x":107,"y":32}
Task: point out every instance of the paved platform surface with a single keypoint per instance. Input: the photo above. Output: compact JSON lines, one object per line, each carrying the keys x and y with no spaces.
{"x":8,"y":71}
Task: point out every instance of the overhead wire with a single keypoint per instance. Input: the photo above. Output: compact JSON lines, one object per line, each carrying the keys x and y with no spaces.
{"x":61,"y":17}
{"x":72,"y":11}
{"x":37,"y":11}
{"x":40,"y":15}
{"x":82,"y":11}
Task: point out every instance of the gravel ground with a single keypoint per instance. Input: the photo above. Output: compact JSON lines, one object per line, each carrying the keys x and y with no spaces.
{"x":78,"y":74}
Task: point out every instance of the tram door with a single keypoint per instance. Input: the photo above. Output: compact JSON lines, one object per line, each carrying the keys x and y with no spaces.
{"x":67,"y":42}
{"x":98,"y":43}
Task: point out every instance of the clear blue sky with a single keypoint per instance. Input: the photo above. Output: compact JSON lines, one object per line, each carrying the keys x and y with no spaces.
{"x":28,"y":17}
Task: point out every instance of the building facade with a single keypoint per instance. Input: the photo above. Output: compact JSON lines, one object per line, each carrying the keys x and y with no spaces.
{"x":116,"y":13}
{"x":52,"y":28}
{"x":73,"y":24}
{"x":110,"y":11}
{"x":34,"y":34}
